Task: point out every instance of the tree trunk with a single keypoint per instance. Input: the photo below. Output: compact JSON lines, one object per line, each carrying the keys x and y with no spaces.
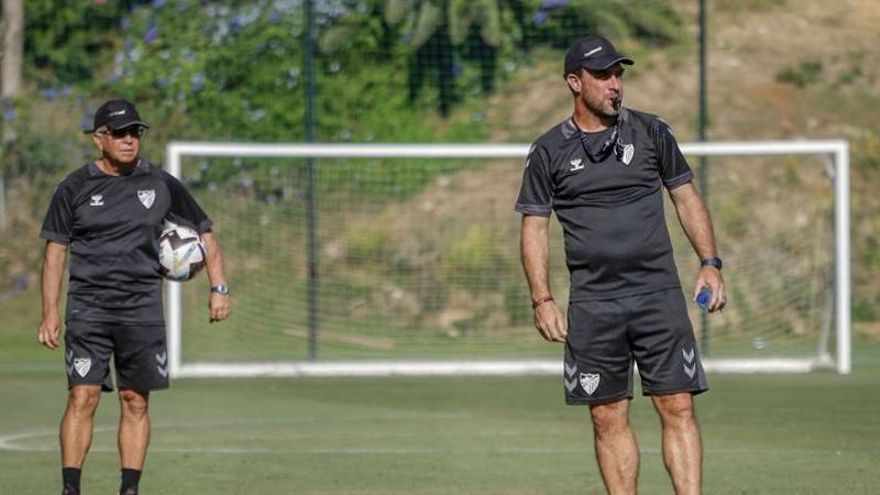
{"x":13,"y":45}
{"x":10,"y":84}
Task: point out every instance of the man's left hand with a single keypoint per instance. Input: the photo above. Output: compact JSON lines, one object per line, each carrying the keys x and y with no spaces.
{"x":709,"y":276}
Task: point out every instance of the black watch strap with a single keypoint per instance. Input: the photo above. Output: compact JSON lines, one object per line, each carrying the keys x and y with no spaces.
{"x":220,"y":289}
{"x":716,"y":262}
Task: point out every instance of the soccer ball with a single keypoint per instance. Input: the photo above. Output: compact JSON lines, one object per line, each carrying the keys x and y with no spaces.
{"x":182,"y":253}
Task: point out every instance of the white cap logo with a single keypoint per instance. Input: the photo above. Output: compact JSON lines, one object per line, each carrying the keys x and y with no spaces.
{"x":593,"y":51}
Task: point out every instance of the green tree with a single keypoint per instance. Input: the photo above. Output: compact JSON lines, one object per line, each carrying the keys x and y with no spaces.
{"x":64,"y":41}
{"x":442,"y":32}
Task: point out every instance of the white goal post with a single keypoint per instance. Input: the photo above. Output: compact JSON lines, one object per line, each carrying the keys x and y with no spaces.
{"x":839,"y":360}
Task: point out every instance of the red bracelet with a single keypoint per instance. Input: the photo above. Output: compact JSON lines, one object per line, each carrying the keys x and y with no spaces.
{"x":541,"y":300}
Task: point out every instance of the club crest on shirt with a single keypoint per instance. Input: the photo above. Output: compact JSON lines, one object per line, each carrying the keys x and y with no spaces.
{"x":589,"y":382}
{"x":628,"y":151}
{"x":82,"y":366}
{"x":147,"y":197}
{"x":576,"y":164}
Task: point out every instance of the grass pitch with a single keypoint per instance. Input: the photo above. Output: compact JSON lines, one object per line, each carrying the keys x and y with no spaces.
{"x":764,"y":434}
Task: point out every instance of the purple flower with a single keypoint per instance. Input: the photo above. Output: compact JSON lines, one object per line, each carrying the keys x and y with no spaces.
{"x":553,"y":4}
{"x":151,"y":34}
{"x":158,"y":3}
{"x":236,"y":24}
{"x":546,"y":6}
{"x":539,"y":17}
{"x":116,"y":73}
{"x":49,"y":93}
{"x":197,"y":82}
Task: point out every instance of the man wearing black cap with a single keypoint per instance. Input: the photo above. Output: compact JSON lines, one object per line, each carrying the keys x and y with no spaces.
{"x":108,"y":215}
{"x":603,"y":172}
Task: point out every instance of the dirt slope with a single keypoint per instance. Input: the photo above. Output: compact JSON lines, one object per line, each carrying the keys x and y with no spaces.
{"x":750,"y":43}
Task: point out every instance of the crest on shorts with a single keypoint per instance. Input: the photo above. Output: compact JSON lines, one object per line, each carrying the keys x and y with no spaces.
{"x":82,"y":366}
{"x":590,"y":382}
{"x":147,"y":197}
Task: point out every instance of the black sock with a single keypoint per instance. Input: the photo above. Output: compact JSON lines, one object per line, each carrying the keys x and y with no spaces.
{"x":70,"y":478}
{"x":130,"y":480}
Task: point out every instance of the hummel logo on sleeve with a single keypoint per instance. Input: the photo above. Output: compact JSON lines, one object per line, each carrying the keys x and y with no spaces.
{"x":529,"y":155}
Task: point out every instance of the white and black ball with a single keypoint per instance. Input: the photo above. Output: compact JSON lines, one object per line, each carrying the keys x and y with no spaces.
{"x":182,"y":253}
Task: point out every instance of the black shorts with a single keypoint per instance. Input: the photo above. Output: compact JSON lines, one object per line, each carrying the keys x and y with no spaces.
{"x":139,"y":355}
{"x":605,"y":337}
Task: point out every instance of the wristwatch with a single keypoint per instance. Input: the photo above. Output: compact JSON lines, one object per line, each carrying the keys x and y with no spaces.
{"x":220,"y":289}
{"x":716,"y":262}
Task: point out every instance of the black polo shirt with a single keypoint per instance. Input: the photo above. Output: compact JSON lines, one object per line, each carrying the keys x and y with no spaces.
{"x":609,"y":202}
{"x":111,"y":225}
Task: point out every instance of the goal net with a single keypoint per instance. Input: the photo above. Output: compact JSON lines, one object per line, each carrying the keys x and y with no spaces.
{"x":348,"y":259}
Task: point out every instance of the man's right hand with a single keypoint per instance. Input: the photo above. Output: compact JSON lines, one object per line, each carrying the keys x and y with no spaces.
{"x":49,"y":331}
{"x":550,"y":322}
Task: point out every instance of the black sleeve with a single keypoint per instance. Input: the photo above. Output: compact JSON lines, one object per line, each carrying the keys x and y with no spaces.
{"x":674,"y":169}
{"x":536,"y":193}
{"x":58,"y":224}
{"x":184,"y":209}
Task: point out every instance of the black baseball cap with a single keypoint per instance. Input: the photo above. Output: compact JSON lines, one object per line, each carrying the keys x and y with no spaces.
{"x":117,"y":114}
{"x":593,"y":53}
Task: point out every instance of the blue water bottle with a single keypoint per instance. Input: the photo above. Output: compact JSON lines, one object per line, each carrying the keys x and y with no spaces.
{"x":704,"y":298}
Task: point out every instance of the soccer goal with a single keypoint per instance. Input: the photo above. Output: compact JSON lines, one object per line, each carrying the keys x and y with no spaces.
{"x":392,"y":259}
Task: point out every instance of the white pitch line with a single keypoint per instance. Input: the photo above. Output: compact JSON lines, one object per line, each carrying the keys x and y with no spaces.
{"x":11,"y":442}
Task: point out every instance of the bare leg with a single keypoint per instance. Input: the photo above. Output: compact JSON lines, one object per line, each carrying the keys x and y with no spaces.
{"x":134,"y":428}
{"x":77,"y":424}
{"x":616,"y":448}
{"x":682,"y":444}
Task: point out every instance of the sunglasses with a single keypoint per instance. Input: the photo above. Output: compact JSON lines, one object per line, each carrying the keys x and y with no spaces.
{"x":136,"y":132}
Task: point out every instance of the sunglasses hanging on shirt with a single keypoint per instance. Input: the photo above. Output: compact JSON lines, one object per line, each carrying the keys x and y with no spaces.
{"x":621,"y":134}
{"x":602,"y":152}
